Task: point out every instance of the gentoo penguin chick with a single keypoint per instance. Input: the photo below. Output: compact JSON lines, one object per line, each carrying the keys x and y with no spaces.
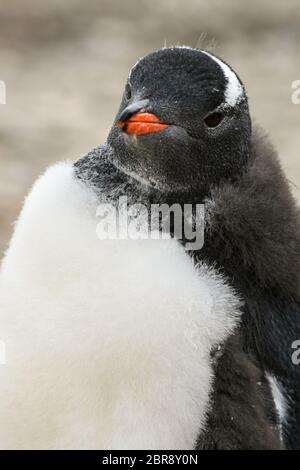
{"x":206,"y":150}
{"x":128,"y":343}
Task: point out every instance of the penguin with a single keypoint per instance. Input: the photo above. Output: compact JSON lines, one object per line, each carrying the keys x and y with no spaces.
{"x":208,"y":150}
{"x":139,"y":343}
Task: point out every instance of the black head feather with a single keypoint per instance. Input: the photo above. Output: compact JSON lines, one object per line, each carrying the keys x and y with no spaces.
{"x":205,"y":105}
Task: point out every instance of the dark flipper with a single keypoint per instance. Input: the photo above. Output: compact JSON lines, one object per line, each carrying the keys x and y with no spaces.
{"x":242,"y":413}
{"x":271,"y":328}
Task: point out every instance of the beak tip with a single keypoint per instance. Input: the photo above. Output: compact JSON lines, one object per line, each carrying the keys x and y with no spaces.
{"x":132,"y":109}
{"x":136,"y":120}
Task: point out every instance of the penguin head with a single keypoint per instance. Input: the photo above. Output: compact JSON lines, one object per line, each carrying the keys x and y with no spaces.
{"x":183,"y":123}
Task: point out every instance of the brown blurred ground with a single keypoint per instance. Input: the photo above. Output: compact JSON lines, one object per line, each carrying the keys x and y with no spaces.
{"x":65,"y":62}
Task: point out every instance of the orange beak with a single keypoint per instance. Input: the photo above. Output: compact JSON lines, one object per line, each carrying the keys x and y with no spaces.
{"x":141,"y":124}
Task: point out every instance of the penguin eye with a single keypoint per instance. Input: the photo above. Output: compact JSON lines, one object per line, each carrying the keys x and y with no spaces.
{"x":128,"y":92}
{"x":213,"y":119}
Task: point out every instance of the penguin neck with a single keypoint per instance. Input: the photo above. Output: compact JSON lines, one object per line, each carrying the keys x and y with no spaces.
{"x":98,"y":170}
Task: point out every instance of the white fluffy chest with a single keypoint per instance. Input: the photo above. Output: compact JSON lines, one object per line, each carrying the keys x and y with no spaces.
{"x":107,"y":342}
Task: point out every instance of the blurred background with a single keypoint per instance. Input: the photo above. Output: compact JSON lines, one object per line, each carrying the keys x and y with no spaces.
{"x":65,"y":62}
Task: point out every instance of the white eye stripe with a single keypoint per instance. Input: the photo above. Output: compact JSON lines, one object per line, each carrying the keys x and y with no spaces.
{"x":234,"y":90}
